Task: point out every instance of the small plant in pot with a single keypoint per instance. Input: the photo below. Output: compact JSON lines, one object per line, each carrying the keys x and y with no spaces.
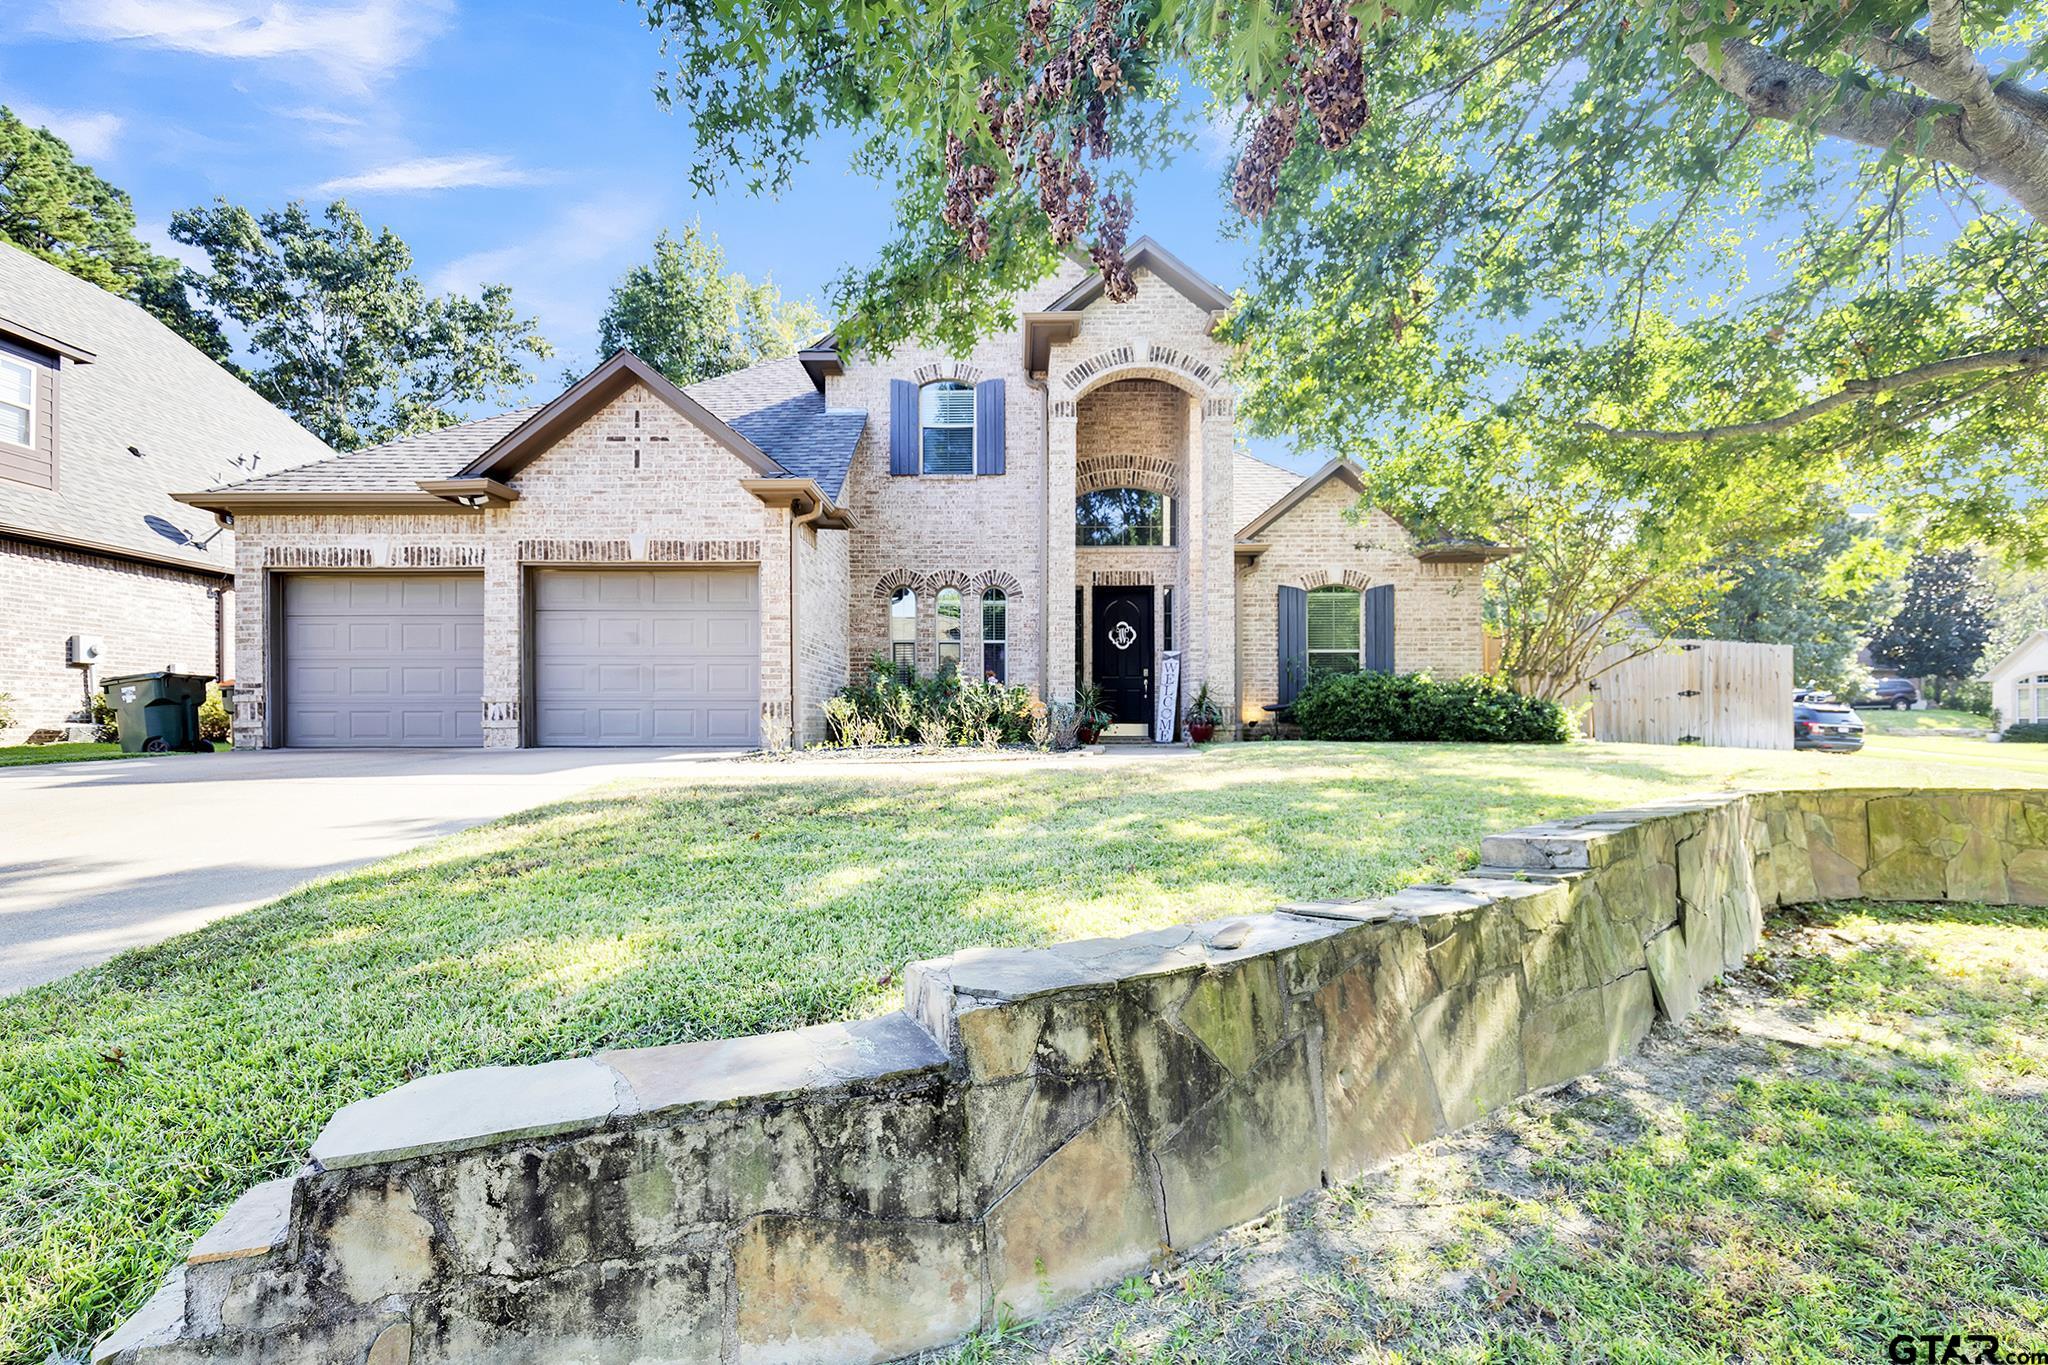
{"x":1090,"y":717}
{"x":1203,"y":716}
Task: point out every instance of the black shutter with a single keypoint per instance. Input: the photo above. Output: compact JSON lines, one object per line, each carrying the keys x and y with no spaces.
{"x":902,"y":427}
{"x":1378,"y":625}
{"x":989,"y":419}
{"x":1293,"y":643}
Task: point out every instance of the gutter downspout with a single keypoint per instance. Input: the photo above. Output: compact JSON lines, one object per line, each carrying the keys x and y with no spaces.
{"x":796,"y":519}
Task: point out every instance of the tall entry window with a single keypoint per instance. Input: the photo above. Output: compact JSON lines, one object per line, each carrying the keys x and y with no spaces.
{"x":903,"y":633}
{"x":1333,"y":631}
{"x":949,"y":630}
{"x":1123,"y":516}
{"x":946,"y":422}
{"x":995,"y":636}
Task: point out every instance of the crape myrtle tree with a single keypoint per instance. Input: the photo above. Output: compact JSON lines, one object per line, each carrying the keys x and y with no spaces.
{"x":341,"y":332}
{"x":685,"y":313}
{"x":1679,"y":261}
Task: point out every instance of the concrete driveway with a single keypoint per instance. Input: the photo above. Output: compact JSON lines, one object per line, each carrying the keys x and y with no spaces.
{"x":98,"y":857}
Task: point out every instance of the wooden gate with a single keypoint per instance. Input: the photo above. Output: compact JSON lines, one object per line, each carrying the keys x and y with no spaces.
{"x":1719,"y":692}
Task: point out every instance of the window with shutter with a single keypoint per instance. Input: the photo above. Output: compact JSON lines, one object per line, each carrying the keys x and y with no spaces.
{"x":1333,"y":632}
{"x":946,"y":419}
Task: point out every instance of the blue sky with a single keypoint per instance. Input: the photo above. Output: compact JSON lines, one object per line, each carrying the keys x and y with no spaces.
{"x":508,"y":141}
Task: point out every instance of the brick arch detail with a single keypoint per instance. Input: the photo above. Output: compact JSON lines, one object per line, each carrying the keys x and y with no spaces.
{"x":958,"y":370}
{"x":888,"y":583}
{"x":1355,"y":579}
{"x":997,"y":579}
{"x":1128,"y":471}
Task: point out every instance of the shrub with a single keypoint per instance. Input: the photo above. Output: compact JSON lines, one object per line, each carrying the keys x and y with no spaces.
{"x":1965,"y":694}
{"x":2027,"y":732}
{"x":215,"y":724}
{"x":1414,"y":706}
{"x":883,"y":708}
{"x":6,"y":710}
{"x":104,"y":716}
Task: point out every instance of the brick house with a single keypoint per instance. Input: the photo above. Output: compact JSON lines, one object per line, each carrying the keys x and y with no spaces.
{"x":104,"y":413}
{"x":635,"y":563}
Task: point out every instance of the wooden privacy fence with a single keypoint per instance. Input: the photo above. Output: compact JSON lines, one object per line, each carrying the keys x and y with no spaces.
{"x":1719,"y":692}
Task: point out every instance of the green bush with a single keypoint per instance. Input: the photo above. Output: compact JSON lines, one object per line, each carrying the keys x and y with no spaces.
{"x":1964,"y":694}
{"x":884,"y":708}
{"x":1414,"y":706}
{"x":215,"y":724}
{"x":2027,"y":732}
{"x":104,"y":716}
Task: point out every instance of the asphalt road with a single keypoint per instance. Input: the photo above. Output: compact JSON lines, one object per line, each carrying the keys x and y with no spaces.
{"x":103,"y":856}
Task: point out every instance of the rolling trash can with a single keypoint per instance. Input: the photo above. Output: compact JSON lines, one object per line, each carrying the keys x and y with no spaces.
{"x":158,"y":712}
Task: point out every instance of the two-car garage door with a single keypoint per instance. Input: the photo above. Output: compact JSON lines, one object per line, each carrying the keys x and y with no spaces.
{"x":664,"y":657}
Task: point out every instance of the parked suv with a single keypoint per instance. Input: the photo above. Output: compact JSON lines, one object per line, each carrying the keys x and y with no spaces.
{"x":1898,"y":694}
{"x":1825,"y":724}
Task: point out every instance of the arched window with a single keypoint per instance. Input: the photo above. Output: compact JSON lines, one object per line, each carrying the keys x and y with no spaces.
{"x":903,"y":633}
{"x":949,"y":629}
{"x":1333,"y":631}
{"x":1123,"y":516}
{"x":945,"y":415}
{"x":995,"y":636}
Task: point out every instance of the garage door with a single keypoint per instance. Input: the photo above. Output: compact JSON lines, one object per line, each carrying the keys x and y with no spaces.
{"x":372,"y":660}
{"x":648,"y":657}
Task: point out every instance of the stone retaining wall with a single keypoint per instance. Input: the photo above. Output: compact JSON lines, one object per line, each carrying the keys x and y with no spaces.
{"x":1034,"y":1123}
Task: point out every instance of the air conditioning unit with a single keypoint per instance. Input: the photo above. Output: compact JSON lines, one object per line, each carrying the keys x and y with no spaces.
{"x":82,"y":651}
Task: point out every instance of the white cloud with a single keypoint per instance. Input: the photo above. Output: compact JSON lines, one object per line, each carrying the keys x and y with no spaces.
{"x":91,"y":134}
{"x":355,"y":42}
{"x":423,"y":174}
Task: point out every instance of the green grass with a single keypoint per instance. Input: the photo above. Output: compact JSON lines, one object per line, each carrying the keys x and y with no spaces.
{"x":1911,"y":722}
{"x":138,"y":1098}
{"x":1743,"y":1201}
{"x":25,"y":755}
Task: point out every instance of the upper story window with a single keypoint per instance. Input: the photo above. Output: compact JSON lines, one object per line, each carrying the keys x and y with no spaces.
{"x":945,"y":413}
{"x":1123,"y":516}
{"x":17,"y":401}
{"x":1333,"y":631}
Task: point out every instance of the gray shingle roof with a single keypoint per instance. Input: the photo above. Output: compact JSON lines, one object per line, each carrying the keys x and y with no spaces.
{"x":194,"y":423}
{"x":395,"y":466}
{"x":773,"y":404}
{"x":1255,"y":486}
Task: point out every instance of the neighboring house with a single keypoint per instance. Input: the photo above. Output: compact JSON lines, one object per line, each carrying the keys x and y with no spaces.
{"x":104,"y":413}
{"x":2019,"y":682}
{"x":635,"y":563}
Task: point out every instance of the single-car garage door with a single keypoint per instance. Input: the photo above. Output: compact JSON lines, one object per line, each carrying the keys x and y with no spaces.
{"x":650,"y":657}
{"x":372,"y":660}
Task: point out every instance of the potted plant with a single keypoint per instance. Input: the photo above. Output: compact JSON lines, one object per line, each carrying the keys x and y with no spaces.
{"x":1090,"y":719}
{"x":1203,"y":716}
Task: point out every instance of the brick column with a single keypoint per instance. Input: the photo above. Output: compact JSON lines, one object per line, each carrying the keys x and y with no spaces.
{"x":1057,"y":612}
{"x":504,"y":646}
{"x":1212,"y":553}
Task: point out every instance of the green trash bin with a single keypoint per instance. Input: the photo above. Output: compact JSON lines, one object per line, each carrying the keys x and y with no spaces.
{"x":158,"y":712}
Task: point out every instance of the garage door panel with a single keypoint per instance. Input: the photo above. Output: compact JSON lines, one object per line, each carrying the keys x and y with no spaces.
{"x":373,"y":660}
{"x":627,"y":657}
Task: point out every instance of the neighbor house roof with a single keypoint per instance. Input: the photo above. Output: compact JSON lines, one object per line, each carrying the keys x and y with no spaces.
{"x":140,"y":415}
{"x":2019,"y":654}
{"x":767,"y":414}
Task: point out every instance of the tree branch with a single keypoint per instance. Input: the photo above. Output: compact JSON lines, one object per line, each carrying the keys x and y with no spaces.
{"x":1906,"y":57}
{"x":2021,"y":359}
{"x":2003,"y":152}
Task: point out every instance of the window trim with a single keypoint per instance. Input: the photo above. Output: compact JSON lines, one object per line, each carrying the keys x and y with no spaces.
{"x":1355,"y":656}
{"x":959,"y":627}
{"x":1165,"y":541}
{"x":34,"y":378}
{"x":970,"y":426}
{"x":1001,"y":640}
{"x":903,"y":653}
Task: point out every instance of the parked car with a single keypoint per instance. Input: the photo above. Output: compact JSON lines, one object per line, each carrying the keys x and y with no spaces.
{"x":1897,"y":694}
{"x":1826,"y":725}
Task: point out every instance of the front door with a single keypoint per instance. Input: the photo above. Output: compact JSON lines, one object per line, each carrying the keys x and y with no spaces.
{"x":1123,"y":653}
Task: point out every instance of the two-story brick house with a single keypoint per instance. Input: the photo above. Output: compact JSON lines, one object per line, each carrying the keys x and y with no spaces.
{"x":634,"y":563}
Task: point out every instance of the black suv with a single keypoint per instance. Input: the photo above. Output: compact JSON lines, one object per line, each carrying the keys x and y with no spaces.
{"x":1820,"y":722}
{"x":1897,"y":694}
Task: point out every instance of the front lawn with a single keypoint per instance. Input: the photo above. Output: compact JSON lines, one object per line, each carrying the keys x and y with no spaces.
{"x":137,"y":1099}
{"x":24,"y":755}
{"x":1847,"y":1146}
{"x":1935,"y":718}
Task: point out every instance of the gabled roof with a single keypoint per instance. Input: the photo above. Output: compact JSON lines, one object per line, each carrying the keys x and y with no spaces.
{"x":581,"y":400}
{"x":140,"y":414}
{"x":1255,"y":485}
{"x":2019,"y":652}
{"x":769,"y":409}
{"x":1146,"y":254}
{"x":1459,"y":551}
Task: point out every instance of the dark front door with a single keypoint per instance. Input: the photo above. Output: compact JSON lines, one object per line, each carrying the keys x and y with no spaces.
{"x":1123,"y":652}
